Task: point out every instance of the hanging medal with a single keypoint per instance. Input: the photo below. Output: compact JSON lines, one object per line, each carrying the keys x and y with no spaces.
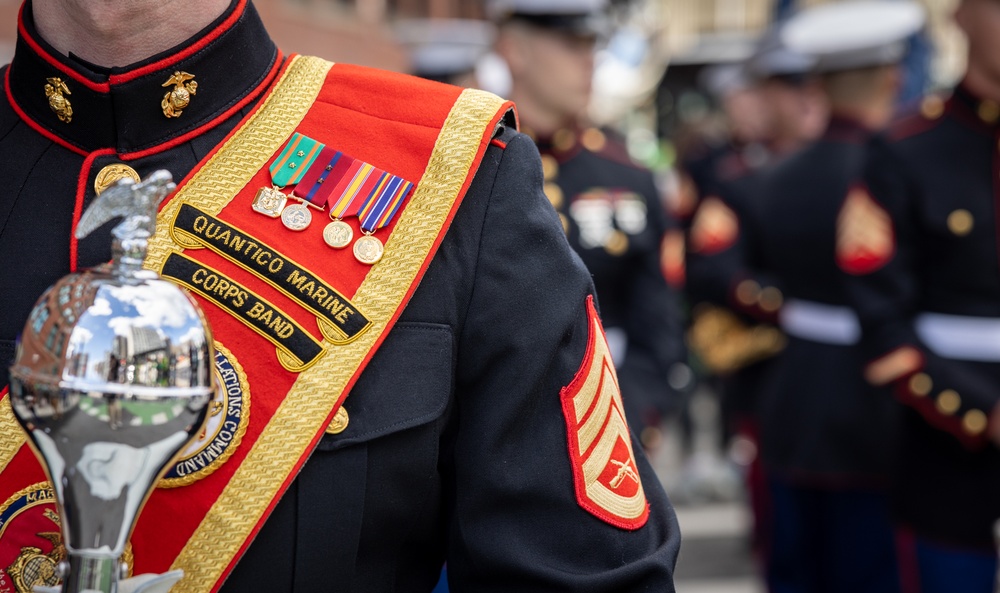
{"x":356,"y":180}
{"x":289,"y":169}
{"x":377,"y":212}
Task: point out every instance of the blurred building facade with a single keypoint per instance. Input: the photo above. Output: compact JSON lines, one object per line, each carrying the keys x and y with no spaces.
{"x":708,"y":29}
{"x":681,"y":35}
{"x":353,"y":31}
{"x":357,"y":31}
{"x":699,"y":33}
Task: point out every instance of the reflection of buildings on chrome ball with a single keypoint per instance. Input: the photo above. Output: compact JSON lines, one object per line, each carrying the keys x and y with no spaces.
{"x":46,"y":336}
{"x":139,"y":354}
{"x":112,"y":377}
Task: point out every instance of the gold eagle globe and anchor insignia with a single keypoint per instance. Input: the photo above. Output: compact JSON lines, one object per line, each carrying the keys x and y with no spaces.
{"x":31,"y":545}
{"x":56,"y":91}
{"x":178,"y":98}
{"x":32,"y":567}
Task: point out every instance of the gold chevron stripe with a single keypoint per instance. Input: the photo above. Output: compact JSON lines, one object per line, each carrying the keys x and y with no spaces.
{"x":313,"y":397}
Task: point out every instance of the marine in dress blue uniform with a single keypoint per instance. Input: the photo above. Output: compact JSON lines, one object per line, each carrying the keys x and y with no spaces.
{"x":609,"y":206}
{"x":733,"y":344}
{"x":925,"y":223}
{"x":456,"y":445}
{"x":827,"y":437}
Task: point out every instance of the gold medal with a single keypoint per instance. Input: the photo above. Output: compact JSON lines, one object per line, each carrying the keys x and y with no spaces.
{"x":338,"y":234}
{"x":269,"y":201}
{"x":368,"y":250}
{"x":296,"y":217}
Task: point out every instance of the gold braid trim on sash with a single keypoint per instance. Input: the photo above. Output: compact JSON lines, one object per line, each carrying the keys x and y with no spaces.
{"x":304,"y":411}
{"x":11,"y":433}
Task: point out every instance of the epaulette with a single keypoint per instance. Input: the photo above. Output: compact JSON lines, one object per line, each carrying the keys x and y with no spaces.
{"x":924,"y":116}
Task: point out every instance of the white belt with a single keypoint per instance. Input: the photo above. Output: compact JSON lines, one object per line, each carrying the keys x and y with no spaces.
{"x":819,"y":322}
{"x":960,"y":337}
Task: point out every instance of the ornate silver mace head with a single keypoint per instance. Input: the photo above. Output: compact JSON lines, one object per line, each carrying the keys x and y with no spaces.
{"x":112,"y":376}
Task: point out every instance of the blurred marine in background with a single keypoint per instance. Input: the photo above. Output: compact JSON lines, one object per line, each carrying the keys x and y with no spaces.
{"x":446,"y":50}
{"x":609,"y":206}
{"x":827,"y":437}
{"x":919,"y":243}
{"x":726,"y":333}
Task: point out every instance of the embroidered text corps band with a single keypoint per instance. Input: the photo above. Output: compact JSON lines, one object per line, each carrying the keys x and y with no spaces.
{"x":297,"y":350}
{"x":338,"y":318}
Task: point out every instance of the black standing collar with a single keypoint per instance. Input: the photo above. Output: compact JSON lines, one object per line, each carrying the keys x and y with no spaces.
{"x":842,"y":128}
{"x":982,"y":114}
{"x":232,"y":60}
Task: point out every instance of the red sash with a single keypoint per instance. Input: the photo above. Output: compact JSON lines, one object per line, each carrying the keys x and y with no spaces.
{"x":416,"y":130}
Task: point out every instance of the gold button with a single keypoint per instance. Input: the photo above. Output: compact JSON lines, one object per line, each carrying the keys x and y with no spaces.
{"x":617,"y":243}
{"x":563,"y":140}
{"x":550,"y":167}
{"x":948,"y":402}
{"x":770,"y":299}
{"x":747,"y":292}
{"x":921,"y":384}
{"x":960,"y":222}
{"x":989,"y":111}
{"x":974,"y":422}
{"x":554,"y":193}
{"x":932,"y":107}
{"x":594,"y":140}
{"x":339,"y":422}
{"x":112,"y":174}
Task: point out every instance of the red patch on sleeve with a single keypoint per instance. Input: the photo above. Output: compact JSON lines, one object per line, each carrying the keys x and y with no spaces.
{"x":866,"y":240}
{"x":605,"y":474}
{"x":715,"y":227}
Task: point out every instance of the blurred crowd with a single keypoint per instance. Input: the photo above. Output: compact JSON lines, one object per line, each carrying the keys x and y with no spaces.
{"x":820,"y":255}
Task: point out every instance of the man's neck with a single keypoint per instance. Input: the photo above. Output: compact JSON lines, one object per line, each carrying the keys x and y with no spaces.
{"x":541,"y":121}
{"x":121,"y":32}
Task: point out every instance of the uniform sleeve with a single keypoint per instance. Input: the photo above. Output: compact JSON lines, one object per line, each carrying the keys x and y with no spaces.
{"x":885,"y":292}
{"x":518,"y":522}
{"x":722,"y":252}
{"x":734,"y":302}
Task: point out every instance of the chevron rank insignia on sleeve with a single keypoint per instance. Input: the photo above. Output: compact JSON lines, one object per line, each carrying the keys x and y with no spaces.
{"x":605,"y":474}
{"x":865,"y":238}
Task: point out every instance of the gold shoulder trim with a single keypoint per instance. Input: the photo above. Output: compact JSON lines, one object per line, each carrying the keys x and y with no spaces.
{"x":11,"y":433}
